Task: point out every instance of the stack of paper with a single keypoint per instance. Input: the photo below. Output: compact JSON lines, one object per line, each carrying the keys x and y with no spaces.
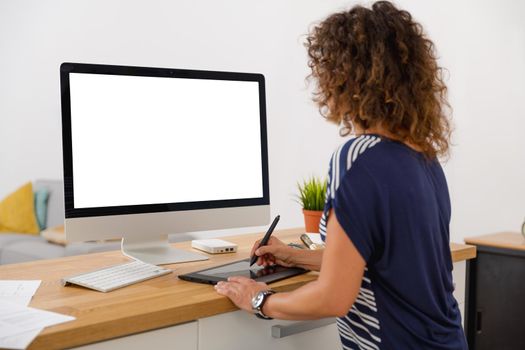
{"x":19,"y":292}
{"x":20,"y":324}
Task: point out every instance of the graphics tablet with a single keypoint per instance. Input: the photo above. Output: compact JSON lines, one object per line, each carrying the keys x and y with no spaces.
{"x":242,"y":268}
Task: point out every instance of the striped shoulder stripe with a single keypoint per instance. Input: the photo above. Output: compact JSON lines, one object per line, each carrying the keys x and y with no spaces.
{"x":359,"y":146}
{"x":334,"y":173}
{"x":345,"y":156}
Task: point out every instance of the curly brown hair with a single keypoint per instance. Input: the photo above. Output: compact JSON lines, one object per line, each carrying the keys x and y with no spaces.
{"x":376,"y":68}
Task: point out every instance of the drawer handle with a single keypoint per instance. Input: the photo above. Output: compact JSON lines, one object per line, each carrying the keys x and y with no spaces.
{"x":279,"y":331}
{"x":479,"y":319}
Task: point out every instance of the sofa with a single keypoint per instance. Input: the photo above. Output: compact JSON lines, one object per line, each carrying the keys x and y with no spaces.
{"x":17,"y":247}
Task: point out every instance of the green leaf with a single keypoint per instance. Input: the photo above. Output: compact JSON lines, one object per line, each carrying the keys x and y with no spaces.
{"x":312,"y":193}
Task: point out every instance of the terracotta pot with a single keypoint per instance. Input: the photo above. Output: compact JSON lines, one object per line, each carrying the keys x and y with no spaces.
{"x":312,"y":218}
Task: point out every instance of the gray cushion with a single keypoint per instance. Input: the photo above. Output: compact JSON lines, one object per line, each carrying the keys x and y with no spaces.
{"x":27,"y":250}
{"x":7,"y":238}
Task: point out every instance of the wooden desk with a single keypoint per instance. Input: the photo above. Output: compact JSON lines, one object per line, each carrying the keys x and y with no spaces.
{"x":506,"y":240}
{"x":153,"y":304}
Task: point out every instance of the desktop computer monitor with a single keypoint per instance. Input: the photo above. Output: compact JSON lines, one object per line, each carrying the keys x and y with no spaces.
{"x":153,"y":151}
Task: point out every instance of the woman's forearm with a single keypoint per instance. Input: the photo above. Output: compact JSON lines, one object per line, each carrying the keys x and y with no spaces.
{"x":307,"y":259}
{"x":332,"y":294}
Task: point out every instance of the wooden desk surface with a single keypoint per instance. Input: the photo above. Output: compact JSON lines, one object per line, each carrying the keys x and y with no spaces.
{"x":160,"y":302}
{"x":508,"y":240}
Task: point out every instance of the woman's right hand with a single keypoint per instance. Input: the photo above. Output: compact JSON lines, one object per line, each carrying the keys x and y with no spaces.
{"x":275,"y":252}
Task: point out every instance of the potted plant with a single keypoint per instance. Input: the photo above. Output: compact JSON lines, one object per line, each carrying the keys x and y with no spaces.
{"x":312,"y":194}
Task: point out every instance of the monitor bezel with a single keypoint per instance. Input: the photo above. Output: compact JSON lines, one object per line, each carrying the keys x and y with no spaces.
{"x":72,"y":212}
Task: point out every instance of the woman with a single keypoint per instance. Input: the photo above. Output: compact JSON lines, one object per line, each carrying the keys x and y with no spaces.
{"x":386,"y":270}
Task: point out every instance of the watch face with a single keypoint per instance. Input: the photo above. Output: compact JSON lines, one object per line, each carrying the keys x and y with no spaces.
{"x":257,"y":300}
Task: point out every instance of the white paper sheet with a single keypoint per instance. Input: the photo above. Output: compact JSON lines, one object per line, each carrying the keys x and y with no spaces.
{"x":19,"y":341}
{"x":17,"y":291}
{"x":17,"y":319}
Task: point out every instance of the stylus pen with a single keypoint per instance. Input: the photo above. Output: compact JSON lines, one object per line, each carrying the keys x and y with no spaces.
{"x":265,"y":239}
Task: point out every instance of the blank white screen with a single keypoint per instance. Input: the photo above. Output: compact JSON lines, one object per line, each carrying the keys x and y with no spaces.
{"x":149,"y":140}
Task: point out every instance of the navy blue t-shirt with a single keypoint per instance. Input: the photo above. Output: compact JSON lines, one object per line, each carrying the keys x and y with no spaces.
{"x":393,"y":203}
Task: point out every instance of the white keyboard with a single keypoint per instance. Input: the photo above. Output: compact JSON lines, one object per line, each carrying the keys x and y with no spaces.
{"x":117,"y":276}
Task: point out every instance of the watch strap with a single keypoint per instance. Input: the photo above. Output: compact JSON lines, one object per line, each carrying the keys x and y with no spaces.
{"x":258,"y":311}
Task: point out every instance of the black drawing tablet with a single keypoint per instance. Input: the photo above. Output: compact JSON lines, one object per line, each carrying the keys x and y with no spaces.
{"x":241,"y":268}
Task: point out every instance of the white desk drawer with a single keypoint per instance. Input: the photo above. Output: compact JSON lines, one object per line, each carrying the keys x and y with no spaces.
{"x":180,"y":337}
{"x":240,"y":330}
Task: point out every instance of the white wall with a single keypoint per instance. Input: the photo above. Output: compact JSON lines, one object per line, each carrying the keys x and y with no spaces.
{"x":481,"y":43}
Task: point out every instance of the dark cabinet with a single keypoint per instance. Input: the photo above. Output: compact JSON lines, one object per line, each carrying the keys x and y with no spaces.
{"x":495,"y":293}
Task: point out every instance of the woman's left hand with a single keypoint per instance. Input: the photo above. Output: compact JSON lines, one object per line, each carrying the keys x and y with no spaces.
{"x":241,"y":290}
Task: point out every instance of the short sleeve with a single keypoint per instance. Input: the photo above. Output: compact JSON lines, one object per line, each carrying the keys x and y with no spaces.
{"x":357,"y":206}
{"x":327,"y":205}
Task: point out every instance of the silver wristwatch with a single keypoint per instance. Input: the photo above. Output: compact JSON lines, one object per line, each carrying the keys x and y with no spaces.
{"x":258,"y":301}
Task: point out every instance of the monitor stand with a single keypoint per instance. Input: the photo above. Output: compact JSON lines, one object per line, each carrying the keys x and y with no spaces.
{"x":156,"y":251}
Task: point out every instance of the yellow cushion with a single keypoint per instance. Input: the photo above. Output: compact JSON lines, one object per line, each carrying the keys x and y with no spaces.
{"x":17,"y":212}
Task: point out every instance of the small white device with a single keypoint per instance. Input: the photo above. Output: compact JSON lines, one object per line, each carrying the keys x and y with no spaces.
{"x":117,"y":276}
{"x":214,"y":246}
